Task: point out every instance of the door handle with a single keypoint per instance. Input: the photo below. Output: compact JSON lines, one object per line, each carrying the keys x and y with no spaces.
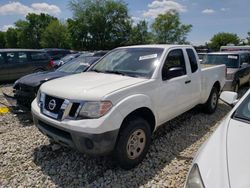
{"x":187,"y":82}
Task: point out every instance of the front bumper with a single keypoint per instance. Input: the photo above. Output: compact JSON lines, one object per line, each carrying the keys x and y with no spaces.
{"x":90,"y":136}
{"x":25,"y":95}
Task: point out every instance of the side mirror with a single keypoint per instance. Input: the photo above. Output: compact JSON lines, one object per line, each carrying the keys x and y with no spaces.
{"x":229,"y":97}
{"x":244,"y":65}
{"x":172,"y":73}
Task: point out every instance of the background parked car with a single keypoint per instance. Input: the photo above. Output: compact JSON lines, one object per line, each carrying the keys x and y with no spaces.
{"x":238,"y":67}
{"x":25,"y":88}
{"x":223,"y":161}
{"x":15,"y":63}
{"x":56,"y":53}
{"x":201,"y":56}
{"x":235,"y":48}
{"x":67,"y":58}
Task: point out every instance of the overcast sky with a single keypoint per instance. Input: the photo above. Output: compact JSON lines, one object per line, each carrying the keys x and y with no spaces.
{"x":207,"y":16}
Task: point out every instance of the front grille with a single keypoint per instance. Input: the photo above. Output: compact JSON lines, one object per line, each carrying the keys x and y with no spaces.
{"x":53,"y":104}
{"x":26,"y":88}
{"x":55,"y":130}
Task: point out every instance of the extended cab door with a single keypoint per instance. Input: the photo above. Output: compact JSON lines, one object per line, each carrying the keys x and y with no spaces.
{"x":174,"y":90}
{"x":194,"y":75}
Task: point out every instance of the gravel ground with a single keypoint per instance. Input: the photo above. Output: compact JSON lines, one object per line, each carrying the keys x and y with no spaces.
{"x":27,"y":159}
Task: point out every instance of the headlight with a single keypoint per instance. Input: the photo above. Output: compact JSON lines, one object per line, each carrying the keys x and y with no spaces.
{"x":94,"y":109}
{"x":194,"y":178}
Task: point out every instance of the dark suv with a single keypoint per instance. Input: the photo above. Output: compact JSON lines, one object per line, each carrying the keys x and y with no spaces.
{"x":15,"y":63}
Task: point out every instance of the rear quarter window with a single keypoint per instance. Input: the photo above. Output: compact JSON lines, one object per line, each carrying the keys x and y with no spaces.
{"x":192,"y":60}
{"x":37,"y":56}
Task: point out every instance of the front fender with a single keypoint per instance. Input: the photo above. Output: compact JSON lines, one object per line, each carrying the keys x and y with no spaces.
{"x":134,"y":102}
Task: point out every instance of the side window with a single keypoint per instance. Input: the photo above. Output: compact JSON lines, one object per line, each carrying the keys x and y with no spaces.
{"x":244,"y":58}
{"x":36,"y":56}
{"x":22,"y":57}
{"x":2,"y":58}
{"x":11,"y":57}
{"x":192,"y":60}
{"x":174,"y":65}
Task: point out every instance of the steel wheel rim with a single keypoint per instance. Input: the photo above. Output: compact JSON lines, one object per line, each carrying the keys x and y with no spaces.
{"x":214,"y":100}
{"x":136,"y":144}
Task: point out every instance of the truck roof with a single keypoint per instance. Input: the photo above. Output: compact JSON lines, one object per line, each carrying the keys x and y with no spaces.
{"x":156,"y":46}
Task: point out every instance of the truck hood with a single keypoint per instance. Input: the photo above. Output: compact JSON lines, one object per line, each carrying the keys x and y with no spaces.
{"x":88,"y":86}
{"x":238,"y":140}
{"x":36,"y":79}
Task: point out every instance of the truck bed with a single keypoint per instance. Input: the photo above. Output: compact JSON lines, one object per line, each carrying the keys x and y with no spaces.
{"x":209,"y":75}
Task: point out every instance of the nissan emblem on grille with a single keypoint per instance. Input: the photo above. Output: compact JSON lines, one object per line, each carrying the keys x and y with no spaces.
{"x":52,"y":104}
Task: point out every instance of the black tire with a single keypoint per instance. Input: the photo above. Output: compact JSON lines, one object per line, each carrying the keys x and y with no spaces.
{"x":131,"y":127}
{"x":210,"y":106}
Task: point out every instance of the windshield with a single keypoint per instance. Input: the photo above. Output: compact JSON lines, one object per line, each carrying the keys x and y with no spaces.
{"x":243,"y":111}
{"x":77,"y":65}
{"x":68,"y":57}
{"x":230,"y":60}
{"x":135,"y":62}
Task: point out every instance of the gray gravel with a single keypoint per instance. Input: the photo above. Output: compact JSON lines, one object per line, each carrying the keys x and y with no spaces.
{"x":28,"y":159}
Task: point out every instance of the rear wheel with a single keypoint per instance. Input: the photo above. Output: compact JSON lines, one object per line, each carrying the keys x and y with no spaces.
{"x":133,"y":143}
{"x":212,"y":102}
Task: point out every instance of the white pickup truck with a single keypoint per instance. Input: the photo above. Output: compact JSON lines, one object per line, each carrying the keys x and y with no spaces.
{"x":117,"y":105}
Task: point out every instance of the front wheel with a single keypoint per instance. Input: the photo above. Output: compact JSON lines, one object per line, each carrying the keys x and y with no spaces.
{"x":133,"y":143}
{"x":212,"y":102}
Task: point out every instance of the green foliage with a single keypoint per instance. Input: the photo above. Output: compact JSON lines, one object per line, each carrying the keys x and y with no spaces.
{"x":31,"y":29}
{"x":140,"y":34}
{"x":222,"y":39}
{"x":167,"y":28}
{"x":248,"y":38}
{"x":55,"y":35}
{"x":96,"y":24}
{"x":2,"y":39}
{"x":11,"y":38}
{"x":99,"y":24}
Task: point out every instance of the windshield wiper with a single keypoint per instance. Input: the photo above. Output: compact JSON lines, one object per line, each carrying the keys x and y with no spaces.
{"x":114,"y":72}
{"x":94,"y":70}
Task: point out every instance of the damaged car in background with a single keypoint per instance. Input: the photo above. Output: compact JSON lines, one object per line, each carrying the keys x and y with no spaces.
{"x":25,"y":89}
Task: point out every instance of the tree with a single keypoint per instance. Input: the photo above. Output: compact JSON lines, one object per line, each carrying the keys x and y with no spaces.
{"x":140,"y":34}
{"x":2,"y":39}
{"x":100,"y":24}
{"x":167,"y":28}
{"x":11,"y":38}
{"x":248,"y":38}
{"x":55,"y":35}
{"x":31,"y":29}
{"x":222,"y":39}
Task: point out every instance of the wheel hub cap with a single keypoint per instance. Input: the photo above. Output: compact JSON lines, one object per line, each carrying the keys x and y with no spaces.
{"x":136,"y":144}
